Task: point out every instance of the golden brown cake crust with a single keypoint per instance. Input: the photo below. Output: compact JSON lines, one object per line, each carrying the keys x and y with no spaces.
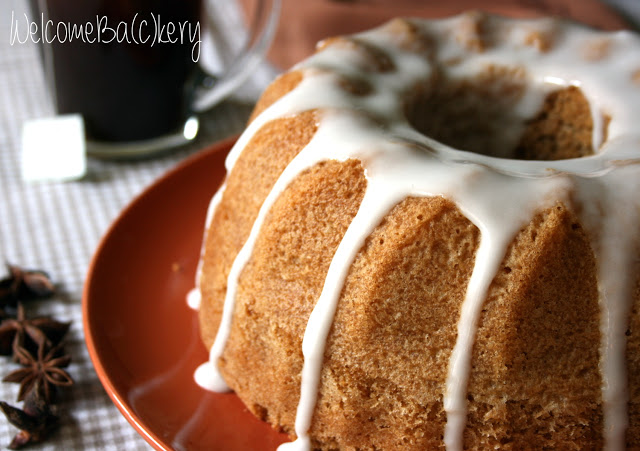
{"x":284,"y":84}
{"x":633,"y":362}
{"x":536,"y":337}
{"x":535,"y":381}
{"x":563,"y":129}
{"x":402,"y":298}
{"x":281,"y":283}
{"x":239,"y":207}
{"x":380,"y":389}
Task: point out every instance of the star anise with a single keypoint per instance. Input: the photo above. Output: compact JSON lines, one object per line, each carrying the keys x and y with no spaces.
{"x":24,"y":285}
{"x":25,"y":332}
{"x":42,"y":372}
{"x":36,"y":421}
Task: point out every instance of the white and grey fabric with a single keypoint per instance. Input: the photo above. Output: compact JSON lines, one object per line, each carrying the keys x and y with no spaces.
{"x":57,"y":226}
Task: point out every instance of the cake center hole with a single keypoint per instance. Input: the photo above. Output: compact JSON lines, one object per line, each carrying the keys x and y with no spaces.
{"x":483,"y":116}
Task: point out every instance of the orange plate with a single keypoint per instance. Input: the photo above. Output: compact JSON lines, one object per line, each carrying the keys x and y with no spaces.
{"x":142,"y":337}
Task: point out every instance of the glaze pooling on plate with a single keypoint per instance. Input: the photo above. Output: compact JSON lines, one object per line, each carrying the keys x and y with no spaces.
{"x":499,"y":195}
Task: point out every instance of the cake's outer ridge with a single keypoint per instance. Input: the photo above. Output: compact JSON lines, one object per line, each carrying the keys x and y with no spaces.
{"x":357,"y":113}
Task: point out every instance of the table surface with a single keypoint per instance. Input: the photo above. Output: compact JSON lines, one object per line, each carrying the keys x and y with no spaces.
{"x":57,"y":226}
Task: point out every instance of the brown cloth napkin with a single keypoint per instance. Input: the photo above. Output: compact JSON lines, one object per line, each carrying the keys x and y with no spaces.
{"x":305,"y":22}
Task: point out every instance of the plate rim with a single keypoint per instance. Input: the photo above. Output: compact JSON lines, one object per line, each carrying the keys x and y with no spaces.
{"x":116,"y":397}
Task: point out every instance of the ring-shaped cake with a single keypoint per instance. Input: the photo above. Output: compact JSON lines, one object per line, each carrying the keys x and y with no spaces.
{"x":429,"y":236}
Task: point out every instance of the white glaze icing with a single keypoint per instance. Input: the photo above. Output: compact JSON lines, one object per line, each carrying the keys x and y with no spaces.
{"x":194,"y":296}
{"x":616,"y":250}
{"x":498,"y":195}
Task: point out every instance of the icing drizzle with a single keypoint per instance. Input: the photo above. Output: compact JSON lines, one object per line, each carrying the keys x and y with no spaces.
{"x":500,"y":196}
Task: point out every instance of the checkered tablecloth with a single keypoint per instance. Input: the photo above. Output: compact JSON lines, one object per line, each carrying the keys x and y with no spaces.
{"x":57,"y":226}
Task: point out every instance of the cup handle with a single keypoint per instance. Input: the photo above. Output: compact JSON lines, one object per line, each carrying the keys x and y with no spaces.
{"x":261,"y":32}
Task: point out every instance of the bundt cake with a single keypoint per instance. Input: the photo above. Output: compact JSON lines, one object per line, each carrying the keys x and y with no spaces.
{"x":429,"y":237}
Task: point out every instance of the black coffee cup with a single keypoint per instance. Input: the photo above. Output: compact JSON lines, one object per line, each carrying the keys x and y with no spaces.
{"x":130,"y":67}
